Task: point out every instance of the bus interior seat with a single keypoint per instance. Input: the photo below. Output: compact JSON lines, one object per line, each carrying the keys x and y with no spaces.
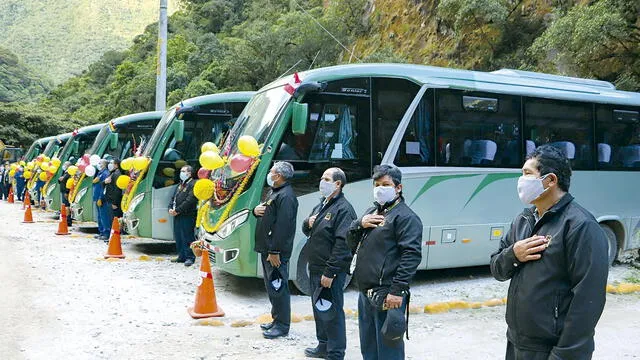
{"x":604,"y":154}
{"x":567,"y":147}
{"x":482,"y":152}
{"x":630,"y":156}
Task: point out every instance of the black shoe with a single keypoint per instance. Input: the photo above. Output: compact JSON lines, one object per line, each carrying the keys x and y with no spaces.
{"x":318,"y":352}
{"x":97,"y":236}
{"x":266,"y":326}
{"x":275,"y":332}
{"x":104,"y":238}
{"x":177,"y":260}
{"x":188,"y":262}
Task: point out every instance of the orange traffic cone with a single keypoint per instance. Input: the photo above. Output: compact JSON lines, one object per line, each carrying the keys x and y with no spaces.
{"x":25,"y":200}
{"x":115,"y":247}
{"x":28,"y":216}
{"x":206,"y":305}
{"x":63,"y":229}
{"x":10,"y":199}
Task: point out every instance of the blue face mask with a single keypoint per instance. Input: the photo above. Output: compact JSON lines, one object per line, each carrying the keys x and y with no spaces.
{"x":184,"y":176}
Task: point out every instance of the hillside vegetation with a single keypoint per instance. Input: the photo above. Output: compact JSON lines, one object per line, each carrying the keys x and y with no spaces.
{"x":18,"y":82}
{"x":222,"y":45}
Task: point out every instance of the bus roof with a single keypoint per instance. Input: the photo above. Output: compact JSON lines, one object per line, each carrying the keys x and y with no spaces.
{"x":238,"y":96}
{"x":131,"y":118}
{"x":91,"y":128}
{"x":505,"y":81}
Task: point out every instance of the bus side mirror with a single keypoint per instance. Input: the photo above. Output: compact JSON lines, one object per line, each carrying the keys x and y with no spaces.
{"x":113,"y":141}
{"x":300,"y":118}
{"x":179,"y":130}
{"x":75,"y":146}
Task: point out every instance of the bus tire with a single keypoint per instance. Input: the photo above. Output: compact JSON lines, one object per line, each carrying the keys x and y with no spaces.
{"x":303,"y":281}
{"x":612,"y":241}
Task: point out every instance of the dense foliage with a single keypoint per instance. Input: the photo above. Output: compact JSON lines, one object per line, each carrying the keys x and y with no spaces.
{"x":222,"y":45}
{"x":18,"y":82}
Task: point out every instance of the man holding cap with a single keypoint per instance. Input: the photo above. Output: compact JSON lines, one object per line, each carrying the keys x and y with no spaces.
{"x":329,"y":259}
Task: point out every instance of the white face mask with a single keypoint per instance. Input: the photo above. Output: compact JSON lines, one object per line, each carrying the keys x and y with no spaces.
{"x":270,"y":180}
{"x":327,"y":188}
{"x":184,"y":176}
{"x":384,"y":194}
{"x":530,"y":188}
{"x":111,"y":166}
{"x":100,"y":166}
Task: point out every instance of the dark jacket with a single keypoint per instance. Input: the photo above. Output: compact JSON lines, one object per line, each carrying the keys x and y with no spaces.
{"x":391,"y":252}
{"x":98,"y":185}
{"x":555,"y":302}
{"x":112,"y":193}
{"x":276,"y":229}
{"x":183,"y":200}
{"x":62,"y":180}
{"x":326,"y":246}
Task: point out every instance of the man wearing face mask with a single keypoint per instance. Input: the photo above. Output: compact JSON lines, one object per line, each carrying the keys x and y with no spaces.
{"x":112,"y":194}
{"x":386,"y":242}
{"x":104,"y":228}
{"x":183,"y":208}
{"x":275,"y":230}
{"x":556,"y":256}
{"x":329,"y":259}
{"x":2,"y":184}
{"x":6,"y":180}
{"x":64,"y":192}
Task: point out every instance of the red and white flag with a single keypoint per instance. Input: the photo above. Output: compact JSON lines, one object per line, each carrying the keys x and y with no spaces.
{"x":291,"y":87}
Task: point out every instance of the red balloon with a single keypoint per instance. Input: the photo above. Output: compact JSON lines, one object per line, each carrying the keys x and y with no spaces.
{"x":82,"y":166}
{"x":240,"y":163}
{"x":85,"y":158}
{"x":203,"y":173}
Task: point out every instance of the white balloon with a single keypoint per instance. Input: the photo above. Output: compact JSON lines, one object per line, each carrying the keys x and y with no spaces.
{"x":90,"y":170}
{"x":94,"y":160}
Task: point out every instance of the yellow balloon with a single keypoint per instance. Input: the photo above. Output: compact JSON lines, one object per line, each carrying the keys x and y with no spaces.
{"x":248,"y":146}
{"x":72,"y":170}
{"x":179,"y":164}
{"x":56,"y":162}
{"x":211,"y":160}
{"x":69,"y":183}
{"x":12,"y":172}
{"x":42,"y":176}
{"x":45,"y":159}
{"x":22,"y":163}
{"x":44,"y":166}
{"x":30,"y":166}
{"x":123,"y":181}
{"x":169,"y":172}
{"x":53,"y":169}
{"x":27,"y":174}
{"x":140,"y":163}
{"x":127,"y":164}
{"x":203,"y":189}
{"x":209,"y":146}
{"x":14,"y":166}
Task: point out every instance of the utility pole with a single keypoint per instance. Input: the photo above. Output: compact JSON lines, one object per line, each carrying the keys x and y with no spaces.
{"x":161,"y":68}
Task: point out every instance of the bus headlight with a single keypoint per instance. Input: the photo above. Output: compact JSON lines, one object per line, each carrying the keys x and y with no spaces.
{"x":80,"y":194}
{"x":232,"y":224}
{"x":50,"y":189}
{"x":136,"y":201}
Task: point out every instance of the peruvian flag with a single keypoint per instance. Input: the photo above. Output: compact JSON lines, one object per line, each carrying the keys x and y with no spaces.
{"x":74,"y":133}
{"x":291,"y":87}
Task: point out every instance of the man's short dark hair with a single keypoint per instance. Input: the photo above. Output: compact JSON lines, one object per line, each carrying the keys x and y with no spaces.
{"x":338,"y":175}
{"x":553,"y":160}
{"x":115,"y":160}
{"x":383,"y":170}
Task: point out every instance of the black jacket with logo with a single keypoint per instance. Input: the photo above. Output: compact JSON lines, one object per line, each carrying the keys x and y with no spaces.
{"x":554,"y":303}
{"x":63,"y":182}
{"x":112,"y":193}
{"x":276,"y":229}
{"x":390,"y":253}
{"x":184,"y":201}
{"x":326,"y":246}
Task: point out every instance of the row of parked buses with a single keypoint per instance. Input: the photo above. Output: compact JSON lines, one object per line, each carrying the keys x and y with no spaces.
{"x":459,"y":137}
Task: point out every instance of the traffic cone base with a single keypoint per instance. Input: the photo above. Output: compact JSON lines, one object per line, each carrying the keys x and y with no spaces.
{"x":28,"y":216}
{"x":63,"y":229}
{"x":115,"y":246}
{"x":205,"y":304}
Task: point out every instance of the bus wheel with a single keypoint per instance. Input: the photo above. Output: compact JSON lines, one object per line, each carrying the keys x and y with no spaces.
{"x":613,"y":242}
{"x":303,"y":281}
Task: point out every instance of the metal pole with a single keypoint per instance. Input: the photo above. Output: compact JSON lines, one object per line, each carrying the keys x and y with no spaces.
{"x":161,"y":68}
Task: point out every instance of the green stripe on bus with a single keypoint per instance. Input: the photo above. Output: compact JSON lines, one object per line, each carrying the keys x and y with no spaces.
{"x":489,"y":179}
{"x":434,"y":180}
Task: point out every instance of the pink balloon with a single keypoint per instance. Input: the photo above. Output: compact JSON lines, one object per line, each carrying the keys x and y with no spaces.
{"x":85,"y":158}
{"x":203,"y":173}
{"x":240,"y":163}
{"x":82,"y":166}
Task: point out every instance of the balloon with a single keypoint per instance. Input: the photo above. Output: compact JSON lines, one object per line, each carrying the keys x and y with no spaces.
{"x":240,"y":163}
{"x":179,"y":164}
{"x":209,"y":146}
{"x":127,"y":164}
{"x":27,"y":174}
{"x":86,"y":158}
{"x":122,"y":181}
{"x":248,"y":145}
{"x":43,"y":176}
{"x":90,"y":171}
{"x":14,"y":166}
{"x":169,"y":183}
{"x":53,"y":169}
{"x":203,"y":189}
{"x":39,"y":158}
{"x":69,"y":183}
{"x":30,"y":165}
{"x":45,"y":159}
{"x":169,"y":172}
{"x":82,"y":167}
{"x":12,"y":172}
{"x":22,"y":163}
{"x":56,"y":162}
{"x":94,"y":160}
{"x":203,"y":173}
{"x":44,"y":166}
{"x":211,"y":160}
{"x":72,"y":170}
{"x":140,"y":163}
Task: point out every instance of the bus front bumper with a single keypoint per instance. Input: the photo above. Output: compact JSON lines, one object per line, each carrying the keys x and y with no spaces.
{"x":131,"y":223}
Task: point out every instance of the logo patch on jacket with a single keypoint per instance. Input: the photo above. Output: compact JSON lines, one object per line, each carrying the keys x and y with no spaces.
{"x":328,"y":217}
{"x":269,"y":202}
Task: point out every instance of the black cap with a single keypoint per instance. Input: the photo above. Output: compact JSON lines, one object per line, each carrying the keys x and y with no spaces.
{"x":323,"y":303}
{"x":275,"y":280}
{"x":394,"y":327}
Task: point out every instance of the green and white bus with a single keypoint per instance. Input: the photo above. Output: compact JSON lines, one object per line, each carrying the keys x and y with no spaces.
{"x":51,"y":150}
{"x":175,"y":142}
{"x":459,"y":137}
{"x":36,"y":148}
{"x":121,"y":138}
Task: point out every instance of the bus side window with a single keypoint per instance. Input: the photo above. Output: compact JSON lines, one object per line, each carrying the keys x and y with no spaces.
{"x":618,"y":137}
{"x":416,"y":145}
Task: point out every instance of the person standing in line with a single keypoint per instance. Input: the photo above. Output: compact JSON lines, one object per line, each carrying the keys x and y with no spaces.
{"x":64,"y":192}
{"x":6,"y":179}
{"x":99,"y":200}
{"x":3,"y":170}
{"x":20,"y":183}
{"x":275,"y":230}
{"x":183,"y":208}
{"x":329,"y":259}
{"x":386,"y":242}
{"x":112,"y":194}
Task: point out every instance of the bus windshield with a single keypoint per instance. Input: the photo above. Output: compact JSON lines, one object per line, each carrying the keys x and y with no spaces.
{"x":102,"y":135}
{"x":156,"y":137}
{"x":257,"y":120}
{"x":48,"y":151}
